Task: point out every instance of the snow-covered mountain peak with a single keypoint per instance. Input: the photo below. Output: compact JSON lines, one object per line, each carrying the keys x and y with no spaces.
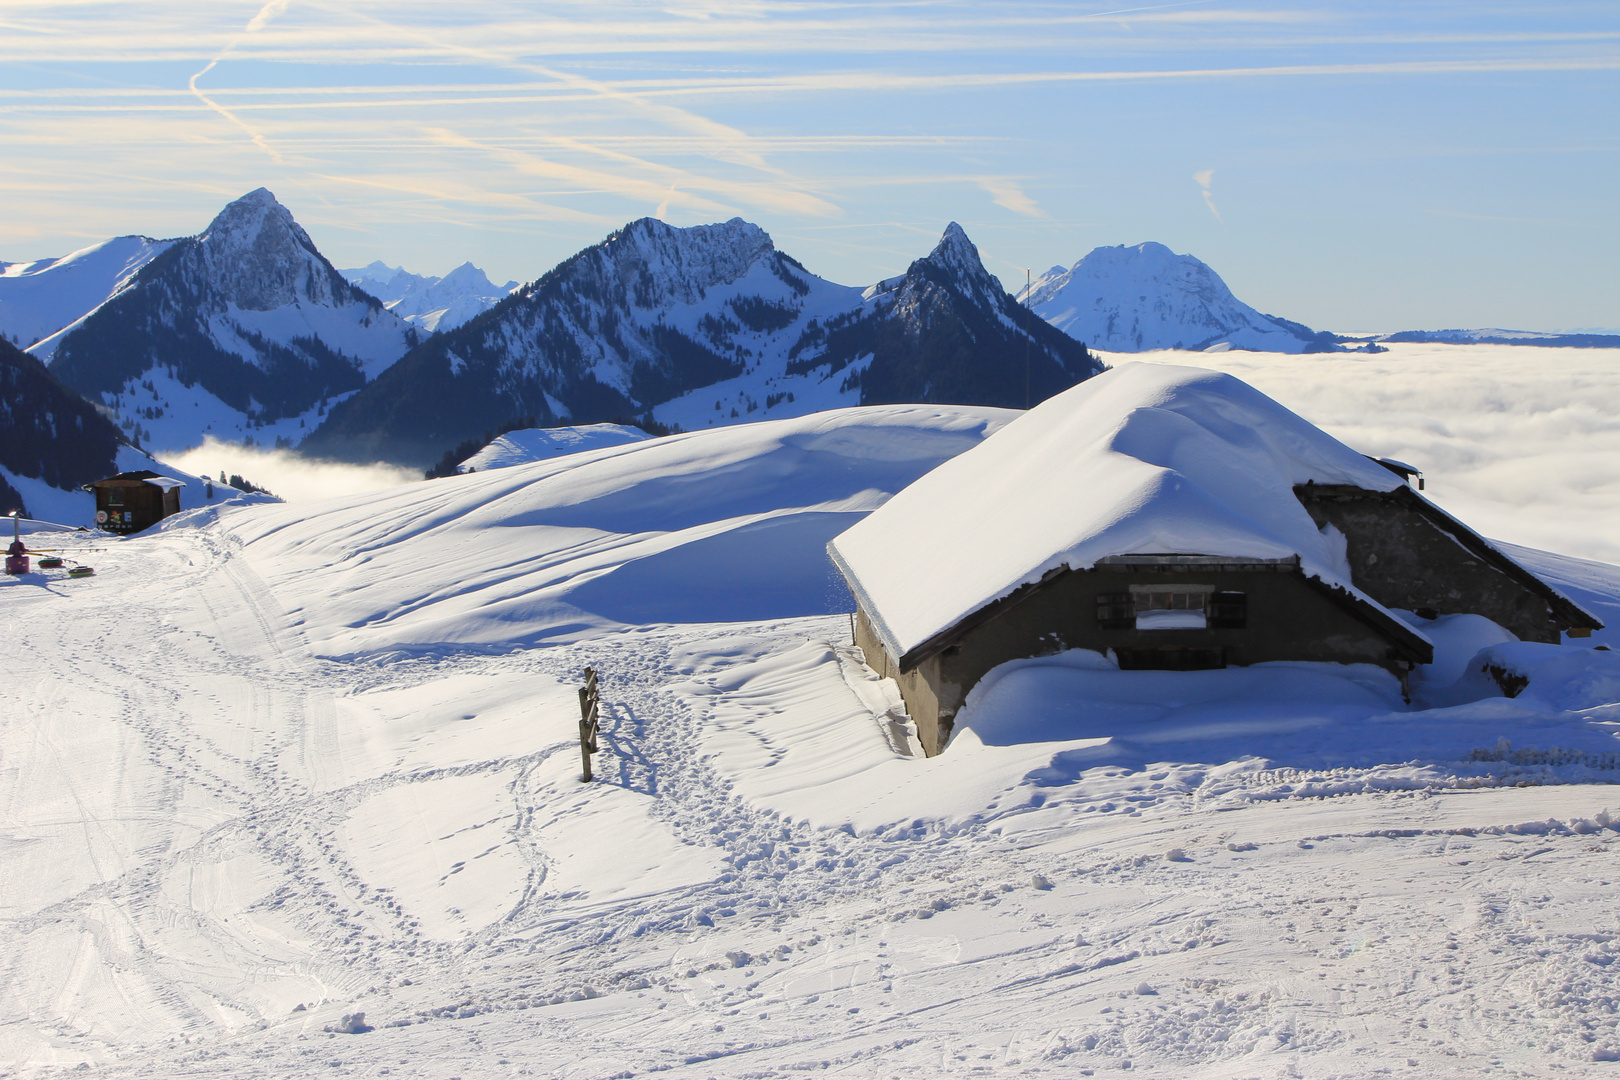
{"x":1131,"y":298}
{"x":432,"y":303}
{"x":41,"y":297}
{"x":242,"y":326}
{"x":957,"y":255}
{"x":468,"y":278}
{"x":1152,"y":263}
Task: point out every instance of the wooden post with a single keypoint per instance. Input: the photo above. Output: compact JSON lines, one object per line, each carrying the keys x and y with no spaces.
{"x":588,"y":721}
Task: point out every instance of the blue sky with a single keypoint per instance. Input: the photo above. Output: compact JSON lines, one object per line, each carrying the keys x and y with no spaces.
{"x":1370,"y":166}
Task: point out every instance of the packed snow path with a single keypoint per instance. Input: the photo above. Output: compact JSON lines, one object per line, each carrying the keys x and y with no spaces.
{"x":206,"y":827}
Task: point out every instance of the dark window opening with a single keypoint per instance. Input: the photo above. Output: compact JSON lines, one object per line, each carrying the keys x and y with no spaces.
{"x":1170,"y":659}
{"x":1115,"y":611}
{"x":1169,"y":601}
{"x":1229,"y":611}
{"x":115,"y":497}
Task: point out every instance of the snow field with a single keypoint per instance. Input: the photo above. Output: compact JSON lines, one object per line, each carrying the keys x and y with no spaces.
{"x":277,"y":756}
{"x":704,"y":527}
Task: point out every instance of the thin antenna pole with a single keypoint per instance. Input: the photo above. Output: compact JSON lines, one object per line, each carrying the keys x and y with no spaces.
{"x":1028,"y":337}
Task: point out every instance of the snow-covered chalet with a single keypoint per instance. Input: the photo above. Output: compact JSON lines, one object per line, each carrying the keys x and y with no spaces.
{"x":1174,"y":518}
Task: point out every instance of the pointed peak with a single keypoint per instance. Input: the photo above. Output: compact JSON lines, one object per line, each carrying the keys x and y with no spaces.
{"x":955,"y":239}
{"x":957,"y":254}
{"x":245,"y":217}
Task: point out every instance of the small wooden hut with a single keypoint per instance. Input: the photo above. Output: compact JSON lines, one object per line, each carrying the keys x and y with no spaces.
{"x":132,"y":501}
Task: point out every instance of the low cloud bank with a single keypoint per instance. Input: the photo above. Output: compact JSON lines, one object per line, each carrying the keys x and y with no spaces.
{"x":294,"y":478}
{"x":1520,"y":442}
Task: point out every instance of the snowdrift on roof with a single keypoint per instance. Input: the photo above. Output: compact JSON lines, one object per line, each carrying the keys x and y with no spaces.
{"x":1143,"y":459}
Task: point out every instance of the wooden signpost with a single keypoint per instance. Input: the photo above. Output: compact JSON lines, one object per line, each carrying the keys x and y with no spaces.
{"x":588,"y":720}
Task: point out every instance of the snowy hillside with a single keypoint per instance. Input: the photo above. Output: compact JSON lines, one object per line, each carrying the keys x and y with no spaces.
{"x":1132,"y":299}
{"x":52,"y":442}
{"x":705,"y":326}
{"x":430,"y":303}
{"x":39,"y":298}
{"x":51,"y":439}
{"x":242,"y":331}
{"x":540,"y":444}
{"x":310,"y":804}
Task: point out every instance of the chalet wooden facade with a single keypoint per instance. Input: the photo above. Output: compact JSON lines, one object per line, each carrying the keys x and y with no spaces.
{"x":132,"y":501}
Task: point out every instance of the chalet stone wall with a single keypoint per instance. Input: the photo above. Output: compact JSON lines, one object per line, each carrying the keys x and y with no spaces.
{"x":1288,"y":618}
{"x":1404,"y":559}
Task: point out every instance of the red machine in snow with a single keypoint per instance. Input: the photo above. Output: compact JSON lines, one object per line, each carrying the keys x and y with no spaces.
{"x":16,"y":554}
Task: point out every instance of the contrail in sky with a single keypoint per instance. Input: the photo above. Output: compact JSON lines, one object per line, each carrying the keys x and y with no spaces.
{"x":258,"y":22}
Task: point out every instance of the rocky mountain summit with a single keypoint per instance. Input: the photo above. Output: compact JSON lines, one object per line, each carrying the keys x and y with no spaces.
{"x":946,"y":331}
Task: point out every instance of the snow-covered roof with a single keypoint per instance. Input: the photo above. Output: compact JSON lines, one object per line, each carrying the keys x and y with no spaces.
{"x":1143,"y":459}
{"x":144,"y":476}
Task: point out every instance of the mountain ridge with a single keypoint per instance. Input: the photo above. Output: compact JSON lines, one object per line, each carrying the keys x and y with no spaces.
{"x":674,"y":321}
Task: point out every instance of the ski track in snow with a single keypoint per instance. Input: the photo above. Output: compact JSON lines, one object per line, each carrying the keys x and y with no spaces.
{"x":187,"y":860}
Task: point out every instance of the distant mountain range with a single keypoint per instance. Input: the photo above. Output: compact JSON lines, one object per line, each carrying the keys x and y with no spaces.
{"x":247,"y":332}
{"x":431,"y":304}
{"x":707,"y":325}
{"x":1492,"y":336}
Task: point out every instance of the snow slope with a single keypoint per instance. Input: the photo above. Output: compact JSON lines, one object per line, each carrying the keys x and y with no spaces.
{"x":704,"y":526}
{"x":1133,"y":299}
{"x":538,"y":444}
{"x":39,"y":298}
{"x":431,"y":303}
{"x":253,"y":787}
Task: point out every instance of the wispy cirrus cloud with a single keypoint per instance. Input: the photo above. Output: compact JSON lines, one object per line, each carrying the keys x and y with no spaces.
{"x":520,"y":131}
{"x":1005,"y":192}
{"x":1202,"y":178}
